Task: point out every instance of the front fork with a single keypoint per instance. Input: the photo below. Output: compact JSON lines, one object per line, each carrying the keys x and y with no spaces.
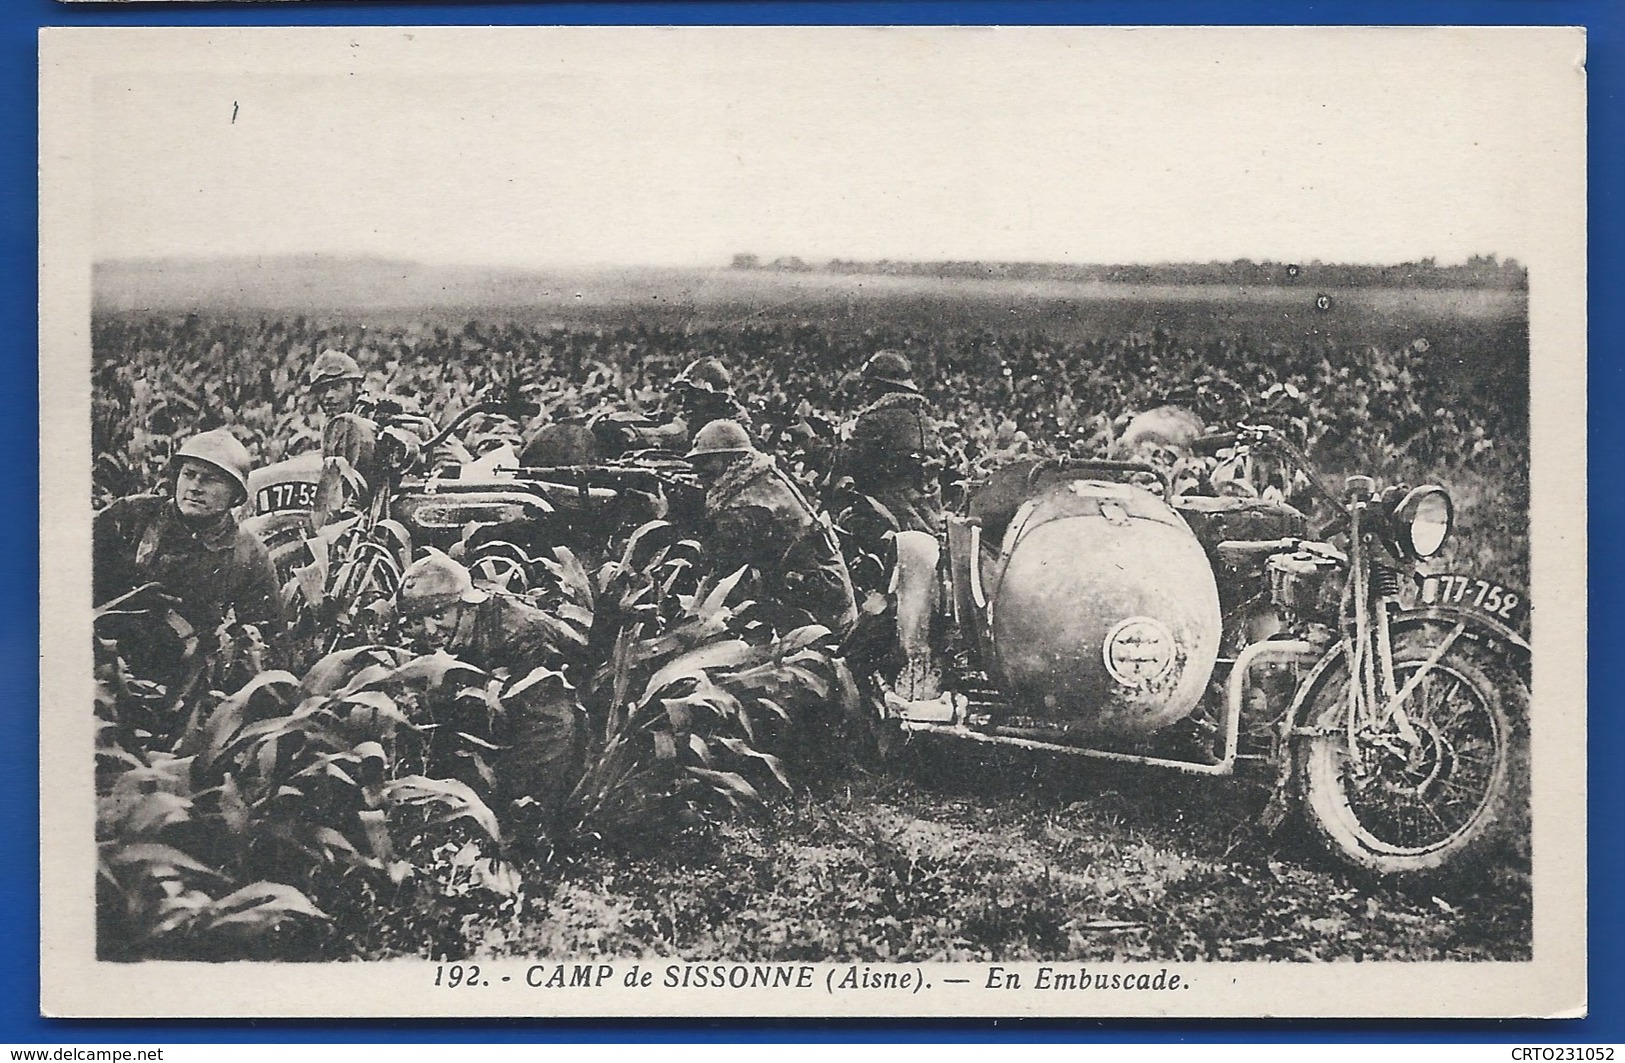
{"x":1376,"y":705}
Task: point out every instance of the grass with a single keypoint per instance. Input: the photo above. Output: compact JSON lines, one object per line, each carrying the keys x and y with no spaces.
{"x":1060,"y":862}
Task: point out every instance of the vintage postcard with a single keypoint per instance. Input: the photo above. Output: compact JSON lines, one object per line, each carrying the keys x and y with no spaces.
{"x":818,"y":522}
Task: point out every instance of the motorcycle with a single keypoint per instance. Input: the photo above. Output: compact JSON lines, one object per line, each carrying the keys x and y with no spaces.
{"x":1095,"y":613}
{"x":343,"y":566}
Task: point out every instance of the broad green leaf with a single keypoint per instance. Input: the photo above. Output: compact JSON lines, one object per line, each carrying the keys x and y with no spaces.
{"x":435,"y":670}
{"x":334,"y":670}
{"x":713,"y":603}
{"x":373,"y":675}
{"x":742,"y":749}
{"x":801,"y":638}
{"x":155,"y":811}
{"x":335,"y":842}
{"x":538,"y":677}
{"x":229,"y":715}
{"x":727,"y":782}
{"x":265,"y":904}
{"x":455,"y":798}
{"x":160,"y":856}
{"x":378,"y":703}
{"x":731,"y":653}
{"x":572,"y":576}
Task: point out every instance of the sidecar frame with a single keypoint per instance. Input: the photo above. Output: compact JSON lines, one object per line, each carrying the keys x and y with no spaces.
{"x":1282,"y":651}
{"x":967,"y":602}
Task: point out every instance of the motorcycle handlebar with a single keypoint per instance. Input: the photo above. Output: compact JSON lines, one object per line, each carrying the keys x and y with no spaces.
{"x":519,"y":410}
{"x":1209,"y":445}
{"x":1270,"y":438}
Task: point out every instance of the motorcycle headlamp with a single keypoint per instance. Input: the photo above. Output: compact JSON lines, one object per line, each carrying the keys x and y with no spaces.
{"x":1422,"y":522}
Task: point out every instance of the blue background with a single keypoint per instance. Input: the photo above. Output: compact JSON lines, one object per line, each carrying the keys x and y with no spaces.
{"x":19,"y":542}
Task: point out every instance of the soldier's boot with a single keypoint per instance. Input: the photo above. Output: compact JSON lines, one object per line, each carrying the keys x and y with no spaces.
{"x":918,"y":693}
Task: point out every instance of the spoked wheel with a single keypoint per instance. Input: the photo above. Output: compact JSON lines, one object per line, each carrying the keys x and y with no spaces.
{"x":1444,"y":801}
{"x":501,"y":565}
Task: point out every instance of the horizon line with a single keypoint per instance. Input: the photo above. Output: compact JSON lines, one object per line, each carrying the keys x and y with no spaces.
{"x":767,"y":263}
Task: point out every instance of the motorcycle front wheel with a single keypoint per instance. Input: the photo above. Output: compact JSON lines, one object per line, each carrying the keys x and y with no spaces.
{"x":1441,"y":804}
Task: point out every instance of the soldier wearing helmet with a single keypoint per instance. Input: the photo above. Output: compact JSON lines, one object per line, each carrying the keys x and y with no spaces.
{"x":756,"y":517}
{"x":186,"y":539}
{"x":892,"y":453}
{"x":335,"y":381}
{"x":350,"y":433}
{"x":703,"y":392}
{"x":442,"y":610}
{"x":891,"y":449}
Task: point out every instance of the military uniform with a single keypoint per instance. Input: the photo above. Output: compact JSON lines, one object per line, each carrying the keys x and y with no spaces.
{"x":704,"y":393}
{"x":757,"y":517}
{"x":351,"y":435}
{"x":354,"y":437}
{"x":679,"y":432}
{"x":211,"y":569}
{"x":891,"y":451}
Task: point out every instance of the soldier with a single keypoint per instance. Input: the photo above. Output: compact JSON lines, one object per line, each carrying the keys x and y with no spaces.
{"x":187,"y":541}
{"x":892,"y":453}
{"x":349,"y":434}
{"x":335,"y":382}
{"x":758,"y":518}
{"x":443,"y":610}
{"x":892,"y":450}
{"x":703,"y":392}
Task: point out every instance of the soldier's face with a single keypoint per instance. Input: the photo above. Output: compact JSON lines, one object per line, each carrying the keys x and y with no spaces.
{"x":202,"y":490}
{"x":337,"y":398}
{"x":435,"y":631}
{"x":709,"y":466}
{"x":1158,"y":455}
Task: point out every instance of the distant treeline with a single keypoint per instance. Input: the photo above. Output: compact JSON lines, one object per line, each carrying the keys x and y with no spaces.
{"x":1480,"y":271}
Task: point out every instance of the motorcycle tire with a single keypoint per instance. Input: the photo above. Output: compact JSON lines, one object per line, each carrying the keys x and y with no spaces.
{"x":1444,"y":807}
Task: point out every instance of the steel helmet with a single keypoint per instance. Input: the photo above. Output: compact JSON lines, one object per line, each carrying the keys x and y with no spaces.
{"x":333,"y":366}
{"x":891,"y":368}
{"x":721,"y":437}
{"x":433,"y":582}
{"x":706,"y":374}
{"x":221,"y":450}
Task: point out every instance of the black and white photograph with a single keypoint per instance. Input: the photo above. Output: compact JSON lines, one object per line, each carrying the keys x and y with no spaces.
{"x":842,"y":521}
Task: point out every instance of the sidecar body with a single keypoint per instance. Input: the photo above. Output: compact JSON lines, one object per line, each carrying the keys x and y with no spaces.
{"x":1091,"y":608}
{"x":1092,"y":605}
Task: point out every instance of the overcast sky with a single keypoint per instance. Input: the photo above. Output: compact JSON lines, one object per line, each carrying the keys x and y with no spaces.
{"x":686,"y":146}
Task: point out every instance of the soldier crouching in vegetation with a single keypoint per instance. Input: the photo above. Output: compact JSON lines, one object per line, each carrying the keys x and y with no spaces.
{"x":892,"y":452}
{"x":703,"y":392}
{"x":756,"y":517}
{"x":187,"y":542}
{"x":499,"y":633}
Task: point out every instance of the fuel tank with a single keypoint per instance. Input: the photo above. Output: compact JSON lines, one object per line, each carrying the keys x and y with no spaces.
{"x":1103,"y":614}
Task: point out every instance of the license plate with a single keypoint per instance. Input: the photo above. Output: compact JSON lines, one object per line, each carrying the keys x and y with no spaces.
{"x":1475,"y":592}
{"x":289,"y":494}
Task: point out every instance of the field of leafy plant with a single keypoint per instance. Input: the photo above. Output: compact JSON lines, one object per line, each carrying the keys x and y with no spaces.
{"x":291,"y":804}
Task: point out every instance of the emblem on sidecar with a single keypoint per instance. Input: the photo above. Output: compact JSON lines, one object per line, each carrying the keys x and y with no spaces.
{"x":1138,"y":651}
